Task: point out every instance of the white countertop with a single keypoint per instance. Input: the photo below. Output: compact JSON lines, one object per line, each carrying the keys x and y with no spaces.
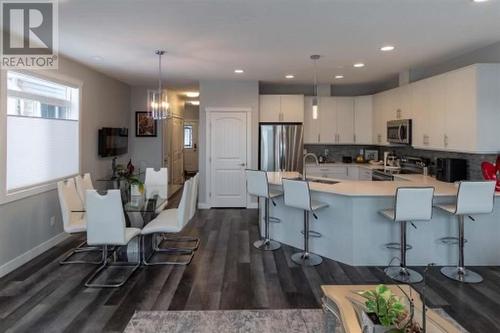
{"x":357,"y":188}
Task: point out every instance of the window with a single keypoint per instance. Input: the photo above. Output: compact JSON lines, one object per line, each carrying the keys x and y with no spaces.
{"x":42,"y":131}
{"x":188,"y":136}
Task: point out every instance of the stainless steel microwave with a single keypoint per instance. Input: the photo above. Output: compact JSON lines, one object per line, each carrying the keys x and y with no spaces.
{"x":399,"y":131}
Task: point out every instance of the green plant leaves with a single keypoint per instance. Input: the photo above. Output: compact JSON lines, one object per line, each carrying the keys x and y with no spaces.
{"x":384,"y":304}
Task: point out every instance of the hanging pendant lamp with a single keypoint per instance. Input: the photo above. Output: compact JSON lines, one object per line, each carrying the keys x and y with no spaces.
{"x":315,"y":110}
{"x":157,"y":100}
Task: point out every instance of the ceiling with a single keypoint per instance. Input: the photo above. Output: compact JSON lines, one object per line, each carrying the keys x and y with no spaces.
{"x":208,"y":39}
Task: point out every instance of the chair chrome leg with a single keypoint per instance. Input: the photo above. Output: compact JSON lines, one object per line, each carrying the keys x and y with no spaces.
{"x":81,"y":248}
{"x":403,"y":273}
{"x":306,"y":258}
{"x":173,"y":251}
{"x":266,"y":243}
{"x":102,"y":268}
{"x":460,"y":273}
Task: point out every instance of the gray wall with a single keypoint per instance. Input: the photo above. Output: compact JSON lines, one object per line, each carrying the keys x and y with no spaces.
{"x":144,"y":151}
{"x":24,"y":224}
{"x":488,"y":54}
{"x":214,"y":93}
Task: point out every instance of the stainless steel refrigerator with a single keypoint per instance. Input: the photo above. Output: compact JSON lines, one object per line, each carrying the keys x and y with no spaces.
{"x":281,"y":147}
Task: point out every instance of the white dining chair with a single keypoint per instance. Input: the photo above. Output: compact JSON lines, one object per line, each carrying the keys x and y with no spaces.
{"x":171,"y":221}
{"x":73,"y":217}
{"x":194,"y":196}
{"x":106,"y":227}
{"x":156,"y":183}
{"x":83,"y":183}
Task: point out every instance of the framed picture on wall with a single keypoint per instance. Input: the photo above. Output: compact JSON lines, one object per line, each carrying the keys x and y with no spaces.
{"x":145,"y":126}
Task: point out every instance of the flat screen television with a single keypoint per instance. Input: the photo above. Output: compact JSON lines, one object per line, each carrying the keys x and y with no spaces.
{"x":113,"y":141}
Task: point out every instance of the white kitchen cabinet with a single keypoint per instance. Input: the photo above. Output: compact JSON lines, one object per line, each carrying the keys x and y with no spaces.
{"x":363,"y":120}
{"x":281,"y":108}
{"x":339,"y":171}
{"x":327,"y":118}
{"x":353,"y":172}
{"x":311,"y":126}
{"x":364,"y":174}
{"x":382,"y":113}
{"x":292,"y":107}
{"x":344,"y":109}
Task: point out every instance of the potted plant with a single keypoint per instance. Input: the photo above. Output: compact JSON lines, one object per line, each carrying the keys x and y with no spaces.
{"x":136,"y":186}
{"x":385,"y":312}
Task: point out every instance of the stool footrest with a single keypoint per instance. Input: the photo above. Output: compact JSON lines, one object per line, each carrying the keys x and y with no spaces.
{"x":451,"y":240}
{"x":312,"y":234}
{"x":397,"y":246}
{"x":273,"y":219}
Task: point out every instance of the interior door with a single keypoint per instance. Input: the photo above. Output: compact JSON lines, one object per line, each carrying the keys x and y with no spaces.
{"x":228,"y":158}
{"x":191,"y":145}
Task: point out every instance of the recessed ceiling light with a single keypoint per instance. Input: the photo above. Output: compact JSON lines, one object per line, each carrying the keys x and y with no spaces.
{"x":480,"y":0}
{"x":192,"y":94}
{"x":239,"y":71}
{"x":289,"y":76}
{"x":359,"y":65}
{"x":193,"y":102}
{"x":387,"y":48}
{"x":340,"y":76}
{"x":97,"y":58}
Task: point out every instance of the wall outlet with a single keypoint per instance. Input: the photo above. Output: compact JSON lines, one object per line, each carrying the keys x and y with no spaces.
{"x":52,"y":221}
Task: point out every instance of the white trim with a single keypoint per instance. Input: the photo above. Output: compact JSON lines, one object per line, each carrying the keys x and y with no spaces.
{"x":253,"y":205}
{"x":227,"y":109}
{"x":208,"y":132}
{"x":203,"y":205}
{"x":31,"y":254}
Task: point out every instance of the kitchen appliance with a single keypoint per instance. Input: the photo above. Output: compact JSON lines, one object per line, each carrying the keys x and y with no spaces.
{"x":322,"y":159}
{"x":281,"y":147}
{"x":408,"y":165}
{"x":346,"y":159}
{"x":399,"y":131}
{"x":371,"y":154}
{"x":451,"y":169}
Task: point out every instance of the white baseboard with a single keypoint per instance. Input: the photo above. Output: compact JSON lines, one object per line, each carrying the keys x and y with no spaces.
{"x":31,"y":254}
{"x":203,"y":205}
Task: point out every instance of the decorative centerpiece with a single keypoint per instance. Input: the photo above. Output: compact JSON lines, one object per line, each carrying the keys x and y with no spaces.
{"x":386,"y":313}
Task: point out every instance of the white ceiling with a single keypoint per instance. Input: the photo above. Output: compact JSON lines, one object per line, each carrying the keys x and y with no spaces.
{"x":208,"y":39}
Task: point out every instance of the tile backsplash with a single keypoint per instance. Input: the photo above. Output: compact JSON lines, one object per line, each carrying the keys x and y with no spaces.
{"x":335,"y":153}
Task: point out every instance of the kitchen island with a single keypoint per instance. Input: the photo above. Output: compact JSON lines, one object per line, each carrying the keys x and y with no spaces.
{"x":353,"y":232}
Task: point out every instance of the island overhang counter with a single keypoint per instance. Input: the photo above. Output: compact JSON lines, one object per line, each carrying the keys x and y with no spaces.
{"x":353,"y":232}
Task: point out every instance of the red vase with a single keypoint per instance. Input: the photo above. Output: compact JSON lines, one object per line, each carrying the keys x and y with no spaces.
{"x":498,"y":173}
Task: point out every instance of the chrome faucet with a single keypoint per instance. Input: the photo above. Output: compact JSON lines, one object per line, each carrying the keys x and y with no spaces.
{"x":304,"y":163}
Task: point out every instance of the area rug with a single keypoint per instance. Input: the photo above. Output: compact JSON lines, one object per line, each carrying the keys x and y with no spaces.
{"x":238,"y":321}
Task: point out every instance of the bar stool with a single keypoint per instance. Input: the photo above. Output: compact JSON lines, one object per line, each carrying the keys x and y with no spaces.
{"x":472,"y":198}
{"x":258,"y":185}
{"x":411,"y":204}
{"x":298,"y":195}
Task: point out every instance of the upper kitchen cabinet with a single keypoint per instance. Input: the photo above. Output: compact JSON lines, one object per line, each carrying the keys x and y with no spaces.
{"x":344,"y":109}
{"x":341,"y":120}
{"x":447,"y":106}
{"x":281,"y":108}
{"x":363,"y":119}
{"x":382,"y":113}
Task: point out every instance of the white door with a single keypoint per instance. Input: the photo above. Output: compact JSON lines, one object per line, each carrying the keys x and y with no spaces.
{"x":292,"y":108}
{"x":191,"y":145}
{"x":327,"y":118}
{"x":311,"y":126}
{"x":363,"y":116}
{"x":344,"y":107}
{"x":228,"y":158}
{"x":270,"y":108}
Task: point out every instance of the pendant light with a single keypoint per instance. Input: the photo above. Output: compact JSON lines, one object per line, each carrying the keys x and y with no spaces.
{"x":158,"y":101}
{"x":315,"y":110}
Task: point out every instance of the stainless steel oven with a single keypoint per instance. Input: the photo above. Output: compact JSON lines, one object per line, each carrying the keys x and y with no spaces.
{"x":399,"y":131}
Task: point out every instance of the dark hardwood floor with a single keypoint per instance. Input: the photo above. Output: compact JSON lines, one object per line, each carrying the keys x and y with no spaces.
{"x":227,"y":272}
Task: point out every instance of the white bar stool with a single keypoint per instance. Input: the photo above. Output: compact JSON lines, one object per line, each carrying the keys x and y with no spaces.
{"x":298,"y":195}
{"x":258,"y":185}
{"x":472,"y":198}
{"x":411,"y":204}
